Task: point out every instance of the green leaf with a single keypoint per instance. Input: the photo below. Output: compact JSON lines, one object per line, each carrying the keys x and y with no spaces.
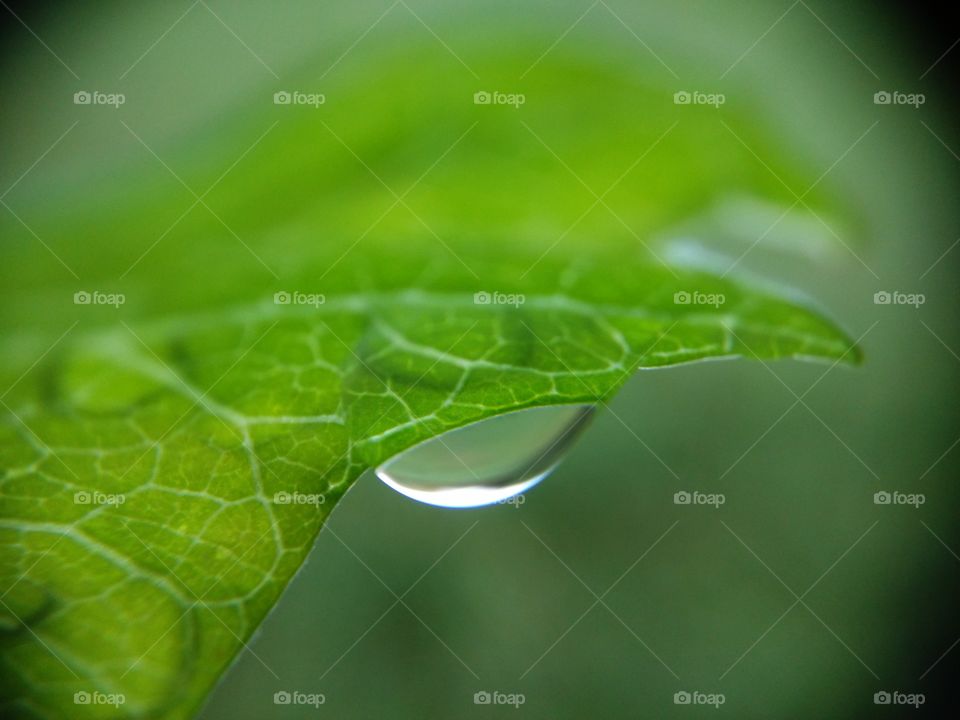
{"x":144,"y":445}
{"x":198,"y":424}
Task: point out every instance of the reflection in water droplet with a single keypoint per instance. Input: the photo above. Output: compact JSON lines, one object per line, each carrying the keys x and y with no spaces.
{"x":488,"y":461}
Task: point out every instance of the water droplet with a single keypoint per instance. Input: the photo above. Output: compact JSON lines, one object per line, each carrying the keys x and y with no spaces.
{"x":488,"y":461}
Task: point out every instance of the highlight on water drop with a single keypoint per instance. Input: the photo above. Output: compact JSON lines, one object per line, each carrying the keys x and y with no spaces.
{"x":488,"y":461}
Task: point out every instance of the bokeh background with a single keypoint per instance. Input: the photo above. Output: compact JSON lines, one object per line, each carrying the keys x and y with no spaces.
{"x":799,"y":597}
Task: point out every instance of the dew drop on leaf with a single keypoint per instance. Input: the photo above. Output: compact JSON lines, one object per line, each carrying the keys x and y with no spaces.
{"x":488,"y":461}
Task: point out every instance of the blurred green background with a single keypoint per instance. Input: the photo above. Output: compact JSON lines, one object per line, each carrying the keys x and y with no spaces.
{"x":709,"y":602}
